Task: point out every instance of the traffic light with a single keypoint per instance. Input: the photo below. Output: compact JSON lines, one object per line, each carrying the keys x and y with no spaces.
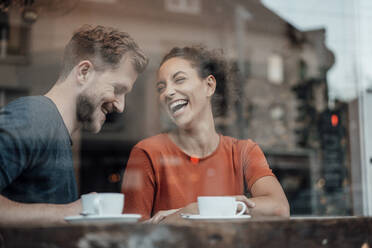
{"x":331,"y":134}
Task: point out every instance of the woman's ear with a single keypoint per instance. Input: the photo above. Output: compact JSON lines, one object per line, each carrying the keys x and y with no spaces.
{"x":84,"y":71}
{"x":211,"y":85}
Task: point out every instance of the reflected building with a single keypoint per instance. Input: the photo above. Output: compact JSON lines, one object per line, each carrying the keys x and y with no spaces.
{"x":276,"y":99}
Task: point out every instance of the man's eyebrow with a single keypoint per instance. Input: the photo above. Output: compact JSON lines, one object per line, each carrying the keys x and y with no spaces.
{"x":121,"y":88}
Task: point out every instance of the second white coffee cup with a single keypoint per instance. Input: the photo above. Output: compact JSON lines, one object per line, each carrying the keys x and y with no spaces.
{"x":103,"y":204}
{"x":220,"y":206}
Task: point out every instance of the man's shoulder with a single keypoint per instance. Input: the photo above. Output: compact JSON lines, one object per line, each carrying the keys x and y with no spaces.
{"x":28,"y":105}
{"x":28,"y":113}
{"x":38,"y":104}
{"x":29,"y":100}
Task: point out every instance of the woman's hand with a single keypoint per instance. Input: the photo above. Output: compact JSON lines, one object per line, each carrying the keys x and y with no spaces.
{"x":173,"y":215}
{"x":161,"y":215}
{"x":191,"y":208}
{"x":248,"y":202}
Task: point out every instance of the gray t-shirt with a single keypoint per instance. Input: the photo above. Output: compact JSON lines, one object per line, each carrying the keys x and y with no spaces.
{"x":35,"y":153}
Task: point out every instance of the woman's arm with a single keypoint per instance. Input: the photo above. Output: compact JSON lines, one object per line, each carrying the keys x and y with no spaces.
{"x":269,"y":198}
{"x":192,"y":208}
{"x":266,"y":191}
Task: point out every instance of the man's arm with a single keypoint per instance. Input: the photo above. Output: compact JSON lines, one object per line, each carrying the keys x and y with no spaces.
{"x":15,"y":213}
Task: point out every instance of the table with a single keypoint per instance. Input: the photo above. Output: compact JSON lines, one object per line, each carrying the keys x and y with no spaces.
{"x":256,"y":232}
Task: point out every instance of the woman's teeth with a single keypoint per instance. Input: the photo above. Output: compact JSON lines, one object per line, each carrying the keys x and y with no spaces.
{"x":174,"y":106}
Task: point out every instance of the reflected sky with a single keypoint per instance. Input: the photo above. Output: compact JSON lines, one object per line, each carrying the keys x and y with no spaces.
{"x":348,"y":35}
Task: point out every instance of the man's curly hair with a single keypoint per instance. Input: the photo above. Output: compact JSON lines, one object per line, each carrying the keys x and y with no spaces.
{"x":104,"y":47}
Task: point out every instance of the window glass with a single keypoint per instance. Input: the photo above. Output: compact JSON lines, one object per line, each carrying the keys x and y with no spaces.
{"x":302,"y":88}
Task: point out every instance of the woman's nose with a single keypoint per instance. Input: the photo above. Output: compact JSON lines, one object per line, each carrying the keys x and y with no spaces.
{"x":170,"y":92}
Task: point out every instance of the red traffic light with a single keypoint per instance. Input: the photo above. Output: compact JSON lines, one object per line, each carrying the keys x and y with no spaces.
{"x":334,"y":120}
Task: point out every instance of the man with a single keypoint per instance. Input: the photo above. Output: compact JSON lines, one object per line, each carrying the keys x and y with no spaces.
{"x":37,"y":182}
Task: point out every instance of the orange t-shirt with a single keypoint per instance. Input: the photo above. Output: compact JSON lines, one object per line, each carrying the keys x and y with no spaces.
{"x":160,"y":176}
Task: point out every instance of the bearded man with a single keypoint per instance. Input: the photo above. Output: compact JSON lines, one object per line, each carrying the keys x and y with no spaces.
{"x":37,"y":182}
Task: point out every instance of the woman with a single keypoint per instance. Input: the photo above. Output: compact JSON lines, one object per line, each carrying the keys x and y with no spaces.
{"x":166,"y":173}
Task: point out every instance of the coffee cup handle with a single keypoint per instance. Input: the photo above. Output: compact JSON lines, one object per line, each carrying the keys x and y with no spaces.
{"x":97,"y":206}
{"x":244,"y":207}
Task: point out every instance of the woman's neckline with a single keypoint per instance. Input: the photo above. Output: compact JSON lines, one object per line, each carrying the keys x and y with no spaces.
{"x":194,"y":156}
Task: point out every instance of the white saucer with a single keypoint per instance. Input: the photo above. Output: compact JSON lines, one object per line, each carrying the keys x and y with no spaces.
{"x":205,"y":217}
{"x":129,"y":218}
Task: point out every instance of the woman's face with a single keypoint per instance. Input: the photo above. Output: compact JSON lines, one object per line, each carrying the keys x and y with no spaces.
{"x":182,"y":93}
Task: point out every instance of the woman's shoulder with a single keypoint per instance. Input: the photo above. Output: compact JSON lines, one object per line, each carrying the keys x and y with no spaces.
{"x":153,"y":142}
{"x":238,"y":143}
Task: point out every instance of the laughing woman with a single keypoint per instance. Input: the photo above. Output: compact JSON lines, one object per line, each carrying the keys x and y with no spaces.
{"x":166,"y":173}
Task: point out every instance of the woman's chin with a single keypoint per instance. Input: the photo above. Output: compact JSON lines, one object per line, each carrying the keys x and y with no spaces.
{"x":182,"y":123}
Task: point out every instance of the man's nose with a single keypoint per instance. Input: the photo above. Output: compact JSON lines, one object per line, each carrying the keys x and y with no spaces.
{"x":119,"y":104}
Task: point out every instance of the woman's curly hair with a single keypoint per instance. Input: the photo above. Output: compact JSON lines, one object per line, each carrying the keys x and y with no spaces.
{"x":208,"y":62}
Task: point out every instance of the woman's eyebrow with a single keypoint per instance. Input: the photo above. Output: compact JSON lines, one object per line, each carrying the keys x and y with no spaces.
{"x":177,"y":73}
{"x":160,"y":82}
{"x":173,"y":77}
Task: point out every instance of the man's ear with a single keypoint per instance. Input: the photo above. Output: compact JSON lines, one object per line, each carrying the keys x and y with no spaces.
{"x":211,"y":85}
{"x":83,"y":71}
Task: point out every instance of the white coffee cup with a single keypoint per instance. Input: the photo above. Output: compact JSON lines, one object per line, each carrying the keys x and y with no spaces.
{"x":220,"y":206}
{"x":102,"y":204}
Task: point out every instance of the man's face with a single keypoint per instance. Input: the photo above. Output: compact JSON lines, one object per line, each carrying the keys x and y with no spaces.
{"x":105,"y":92}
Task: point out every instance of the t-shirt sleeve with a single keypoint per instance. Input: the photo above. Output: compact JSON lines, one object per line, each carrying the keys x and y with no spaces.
{"x":138,"y":184}
{"x":13,"y":152}
{"x":12,"y":158}
{"x":255,"y":165}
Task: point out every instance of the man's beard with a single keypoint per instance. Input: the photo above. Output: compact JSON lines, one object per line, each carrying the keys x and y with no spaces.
{"x":85,"y":108}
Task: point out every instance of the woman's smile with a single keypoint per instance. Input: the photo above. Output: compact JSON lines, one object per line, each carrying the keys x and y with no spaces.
{"x":177,"y":107}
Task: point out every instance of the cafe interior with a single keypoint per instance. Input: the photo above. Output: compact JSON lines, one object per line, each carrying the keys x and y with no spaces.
{"x":317,"y":143}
